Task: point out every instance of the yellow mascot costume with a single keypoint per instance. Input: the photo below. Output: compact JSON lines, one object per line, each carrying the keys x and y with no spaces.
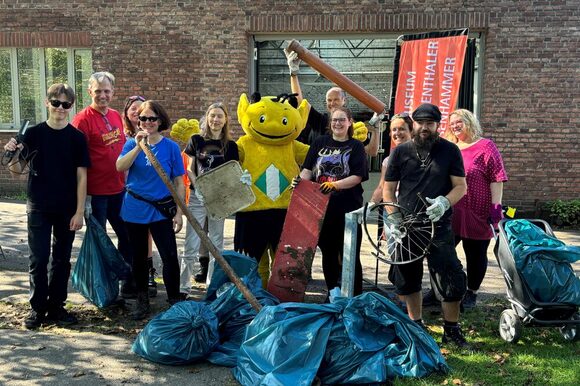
{"x":271,"y":154}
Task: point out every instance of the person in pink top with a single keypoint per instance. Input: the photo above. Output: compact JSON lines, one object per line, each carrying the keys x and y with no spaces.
{"x":472,"y":215}
{"x":103,"y":129}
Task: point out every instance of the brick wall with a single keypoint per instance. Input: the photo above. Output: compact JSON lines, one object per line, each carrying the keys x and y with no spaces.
{"x":190,"y":53}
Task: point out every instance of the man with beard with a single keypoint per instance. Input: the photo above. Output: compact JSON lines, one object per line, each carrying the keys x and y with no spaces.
{"x":432,"y":166}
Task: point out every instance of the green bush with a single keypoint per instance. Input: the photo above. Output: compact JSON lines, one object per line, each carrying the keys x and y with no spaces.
{"x":564,"y":212}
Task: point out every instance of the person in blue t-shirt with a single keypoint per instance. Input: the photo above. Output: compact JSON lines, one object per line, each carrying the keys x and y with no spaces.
{"x":144,"y":186}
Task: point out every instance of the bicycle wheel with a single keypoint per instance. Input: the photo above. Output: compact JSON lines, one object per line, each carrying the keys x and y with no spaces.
{"x":409,"y":241}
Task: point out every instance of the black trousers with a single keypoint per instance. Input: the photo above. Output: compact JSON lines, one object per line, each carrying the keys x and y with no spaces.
{"x":476,"y":260}
{"x":331,"y":243}
{"x":164,"y":238}
{"x":48,"y":290}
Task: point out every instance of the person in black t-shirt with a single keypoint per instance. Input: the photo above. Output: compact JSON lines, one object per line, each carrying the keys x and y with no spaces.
{"x":339,"y":164}
{"x":318,"y":123}
{"x":432,"y":166}
{"x":57,"y":157}
{"x":207,"y":151}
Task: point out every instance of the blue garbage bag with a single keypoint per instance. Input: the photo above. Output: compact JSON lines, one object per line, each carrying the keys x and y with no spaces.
{"x":183,"y":334}
{"x":544,"y":263}
{"x":374,"y":341}
{"x":234,"y":314}
{"x":99,"y":267}
{"x":285,"y":344}
{"x":241,"y":265}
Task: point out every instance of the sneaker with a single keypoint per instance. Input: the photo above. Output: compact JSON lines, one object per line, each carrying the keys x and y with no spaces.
{"x":182,"y":297}
{"x":61,"y":317}
{"x":34,"y":320}
{"x":151,"y":283}
{"x":454,"y":336}
{"x":429,"y":299}
{"x":469,"y":300}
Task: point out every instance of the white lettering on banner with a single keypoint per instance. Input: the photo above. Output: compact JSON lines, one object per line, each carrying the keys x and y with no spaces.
{"x":409,"y":90}
{"x":447,"y":88}
{"x":430,"y":72}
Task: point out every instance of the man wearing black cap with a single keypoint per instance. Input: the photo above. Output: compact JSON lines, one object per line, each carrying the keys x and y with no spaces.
{"x":432,"y":166}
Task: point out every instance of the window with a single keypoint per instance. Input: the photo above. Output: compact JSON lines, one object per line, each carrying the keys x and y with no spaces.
{"x":25,"y":75}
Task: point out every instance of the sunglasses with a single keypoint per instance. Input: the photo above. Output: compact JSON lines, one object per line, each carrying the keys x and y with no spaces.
{"x":136,"y":98}
{"x":56,"y":103}
{"x":400,"y":116}
{"x":150,"y":119}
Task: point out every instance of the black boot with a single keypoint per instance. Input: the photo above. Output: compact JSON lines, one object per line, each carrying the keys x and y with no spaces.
{"x":201,"y":275}
{"x":152,"y":284}
{"x":128,"y":290}
{"x":142,"y":308}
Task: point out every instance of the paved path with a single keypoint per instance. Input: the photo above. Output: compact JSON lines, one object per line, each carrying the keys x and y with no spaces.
{"x":63,"y":357}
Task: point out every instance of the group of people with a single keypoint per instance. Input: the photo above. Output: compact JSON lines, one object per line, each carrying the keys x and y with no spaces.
{"x":107,"y":174}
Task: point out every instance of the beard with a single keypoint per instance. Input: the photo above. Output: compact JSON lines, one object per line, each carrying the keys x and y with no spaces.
{"x":427,"y":142}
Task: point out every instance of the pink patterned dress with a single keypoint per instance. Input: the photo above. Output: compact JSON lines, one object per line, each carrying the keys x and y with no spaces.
{"x":483,"y":166}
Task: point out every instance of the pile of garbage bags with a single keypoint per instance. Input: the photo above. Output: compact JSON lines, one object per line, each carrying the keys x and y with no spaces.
{"x":365,"y":339}
{"x":544,"y":263}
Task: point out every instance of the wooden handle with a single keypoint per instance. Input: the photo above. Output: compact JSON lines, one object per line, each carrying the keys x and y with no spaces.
{"x":342,"y":81}
{"x":199,"y":230}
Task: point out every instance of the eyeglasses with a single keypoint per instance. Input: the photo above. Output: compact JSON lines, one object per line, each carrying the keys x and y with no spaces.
{"x":338,"y":120}
{"x":56,"y":103}
{"x":150,"y":119}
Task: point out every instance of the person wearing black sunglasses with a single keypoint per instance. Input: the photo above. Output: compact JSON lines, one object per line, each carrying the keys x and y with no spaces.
{"x":103,"y":129}
{"x":57,"y":185}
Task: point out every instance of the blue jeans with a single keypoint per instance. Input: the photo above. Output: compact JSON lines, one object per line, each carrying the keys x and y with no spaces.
{"x":109,"y":208}
{"x":49,"y":292}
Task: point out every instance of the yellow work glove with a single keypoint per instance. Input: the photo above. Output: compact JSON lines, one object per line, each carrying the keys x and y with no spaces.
{"x":360,"y":131}
{"x":327,"y":187}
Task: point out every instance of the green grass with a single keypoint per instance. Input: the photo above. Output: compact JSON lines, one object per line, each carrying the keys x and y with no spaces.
{"x":541,"y":356}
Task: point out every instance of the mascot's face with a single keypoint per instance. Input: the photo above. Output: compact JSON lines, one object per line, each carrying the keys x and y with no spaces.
{"x":272,"y":120}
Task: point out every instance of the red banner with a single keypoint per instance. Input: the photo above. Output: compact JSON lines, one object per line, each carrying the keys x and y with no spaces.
{"x":430,"y":72}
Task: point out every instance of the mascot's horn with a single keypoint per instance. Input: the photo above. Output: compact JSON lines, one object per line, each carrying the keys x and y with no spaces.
{"x":255,"y":97}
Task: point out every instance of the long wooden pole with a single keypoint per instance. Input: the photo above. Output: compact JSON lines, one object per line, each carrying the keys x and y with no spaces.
{"x":199,"y":229}
{"x":333,"y":75}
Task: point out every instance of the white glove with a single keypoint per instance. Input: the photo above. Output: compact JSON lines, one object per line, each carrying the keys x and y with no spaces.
{"x":293,"y":61}
{"x":391,"y":227}
{"x":246,"y":178}
{"x":360,"y":211}
{"x":438,"y":208}
{"x":376,"y":119}
{"x":88,"y":207}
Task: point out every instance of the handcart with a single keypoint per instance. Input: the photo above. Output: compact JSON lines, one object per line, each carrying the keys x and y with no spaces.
{"x":525,"y":309}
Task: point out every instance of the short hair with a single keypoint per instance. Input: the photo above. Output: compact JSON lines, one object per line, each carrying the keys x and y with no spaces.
{"x":99,"y":77}
{"x":348,"y":113}
{"x":337,"y":89}
{"x":164,"y":122}
{"x":61,"y":89}
{"x":471,"y":123}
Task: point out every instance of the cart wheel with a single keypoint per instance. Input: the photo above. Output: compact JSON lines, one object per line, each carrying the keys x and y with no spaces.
{"x":510,"y":326}
{"x":412,"y":240}
{"x":570,"y":332}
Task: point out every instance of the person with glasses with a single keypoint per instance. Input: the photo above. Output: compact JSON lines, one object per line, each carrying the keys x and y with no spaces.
{"x":207,"y":150}
{"x":103,"y":129}
{"x":481,"y":206}
{"x":433,"y":167}
{"x":55,"y":156}
{"x":339,"y":164}
{"x":400,"y":129}
{"x":318,"y":123}
{"x":130,"y":127}
{"x":145,"y":186}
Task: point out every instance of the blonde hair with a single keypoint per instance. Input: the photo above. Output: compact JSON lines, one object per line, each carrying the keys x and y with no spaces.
{"x":472,"y":126}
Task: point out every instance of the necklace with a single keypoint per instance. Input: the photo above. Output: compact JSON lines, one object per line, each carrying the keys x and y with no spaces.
{"x":424,"y":161}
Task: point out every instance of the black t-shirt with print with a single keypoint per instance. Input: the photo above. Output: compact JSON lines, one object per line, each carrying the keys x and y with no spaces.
{"x":331,"y":160}
{"x":433,"y":180}
{"x":210,"y":153}
{"x":53,"y":157}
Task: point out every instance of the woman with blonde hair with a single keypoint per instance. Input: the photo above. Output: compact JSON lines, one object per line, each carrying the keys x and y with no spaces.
{"x":481,"y":206}
{"x":207,"y":150}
